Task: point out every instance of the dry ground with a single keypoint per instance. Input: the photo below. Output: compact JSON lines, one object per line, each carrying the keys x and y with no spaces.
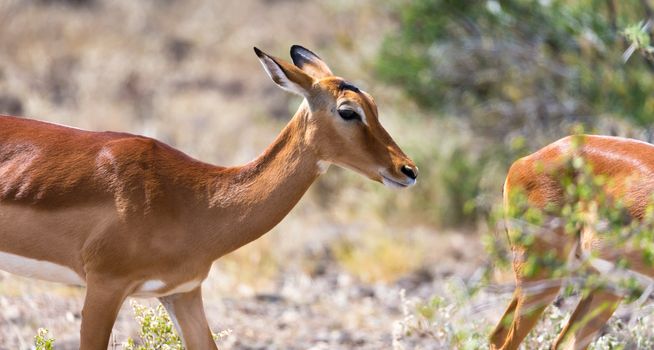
{"x":311,"y":303}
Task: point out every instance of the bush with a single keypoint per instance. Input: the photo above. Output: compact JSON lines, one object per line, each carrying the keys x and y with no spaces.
{"x":505,"y":63}
{"x":514,"y":71}
{"x":156,"y":330}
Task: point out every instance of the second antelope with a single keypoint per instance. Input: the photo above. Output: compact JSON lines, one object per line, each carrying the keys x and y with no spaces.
{"x":127,"y":215}
{"x":628,"y":168}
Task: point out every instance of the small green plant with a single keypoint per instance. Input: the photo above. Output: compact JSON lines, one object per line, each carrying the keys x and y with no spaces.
{"x":43,"y":341}
{"x":638,"y":37}
{"x":156,"y":330}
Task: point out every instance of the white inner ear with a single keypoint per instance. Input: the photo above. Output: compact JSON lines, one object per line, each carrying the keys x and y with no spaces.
{"x":320,"y":67}
{"x":277,"y":75}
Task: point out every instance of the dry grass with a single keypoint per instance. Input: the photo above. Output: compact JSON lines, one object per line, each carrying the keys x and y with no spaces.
{"x":379,"y":257}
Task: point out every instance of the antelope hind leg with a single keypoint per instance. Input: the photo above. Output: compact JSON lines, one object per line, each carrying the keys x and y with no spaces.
{"x":187,"y":312}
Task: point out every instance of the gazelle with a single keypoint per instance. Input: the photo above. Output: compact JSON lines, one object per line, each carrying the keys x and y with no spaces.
{"x":127,"y":215}
{"x":628,"y":167}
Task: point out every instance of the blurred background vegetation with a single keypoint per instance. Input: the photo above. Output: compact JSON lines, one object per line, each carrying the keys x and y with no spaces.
{"x":464,"y":86}
{"x":515,"y":74}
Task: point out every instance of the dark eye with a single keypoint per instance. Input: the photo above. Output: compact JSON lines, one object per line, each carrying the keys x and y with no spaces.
{"x":349,"y":114}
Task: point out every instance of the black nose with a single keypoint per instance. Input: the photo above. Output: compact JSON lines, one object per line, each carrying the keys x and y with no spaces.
{"x":409,"y":171}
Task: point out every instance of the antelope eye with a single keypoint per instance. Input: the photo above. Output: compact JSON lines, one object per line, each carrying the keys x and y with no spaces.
{"x":349,"y":114}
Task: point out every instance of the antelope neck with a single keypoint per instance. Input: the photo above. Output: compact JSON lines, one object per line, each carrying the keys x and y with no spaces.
{"x":249,"y":200}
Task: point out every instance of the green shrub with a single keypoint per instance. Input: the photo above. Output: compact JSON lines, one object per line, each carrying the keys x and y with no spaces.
{"x":483,"y":59}
{"x":513,"y":71}
{"x":156,"y":330}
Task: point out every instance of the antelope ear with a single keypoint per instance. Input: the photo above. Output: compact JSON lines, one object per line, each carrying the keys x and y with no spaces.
{"x":309,"y":62}
{"x":286,"y":75}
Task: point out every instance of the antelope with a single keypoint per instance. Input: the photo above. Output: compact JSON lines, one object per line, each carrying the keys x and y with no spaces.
{"x":628,"y":167}
{"x":127,"y":215}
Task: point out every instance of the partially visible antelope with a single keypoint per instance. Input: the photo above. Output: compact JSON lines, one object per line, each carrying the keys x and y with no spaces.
{"x":127,"y":215}
{"x":628,"y":168}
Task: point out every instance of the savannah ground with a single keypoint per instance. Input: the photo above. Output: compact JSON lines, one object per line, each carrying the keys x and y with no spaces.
{"x":355,"y":265}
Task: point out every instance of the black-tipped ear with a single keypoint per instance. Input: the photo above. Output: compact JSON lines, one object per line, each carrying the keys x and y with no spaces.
{"x":309,"y":62}
{"x":301,"y":55}
{"x":285,"y":75}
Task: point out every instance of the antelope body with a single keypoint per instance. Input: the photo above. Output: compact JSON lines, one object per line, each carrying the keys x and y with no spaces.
{"x":127,"y":215}
{"x":628,"y":166}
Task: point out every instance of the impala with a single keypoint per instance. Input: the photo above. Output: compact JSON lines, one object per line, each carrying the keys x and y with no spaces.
{"x":127,"y":215}
{"x":628,"y":167}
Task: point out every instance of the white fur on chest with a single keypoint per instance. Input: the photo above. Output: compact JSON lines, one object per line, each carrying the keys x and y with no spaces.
{"x":323,"y":166}
{"x":39,"y":269}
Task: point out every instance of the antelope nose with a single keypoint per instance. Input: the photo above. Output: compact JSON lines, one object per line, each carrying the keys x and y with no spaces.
{"x":411,"y":172}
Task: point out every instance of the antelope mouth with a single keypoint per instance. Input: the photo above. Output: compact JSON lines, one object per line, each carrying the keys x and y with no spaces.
{"x":390,"y":182}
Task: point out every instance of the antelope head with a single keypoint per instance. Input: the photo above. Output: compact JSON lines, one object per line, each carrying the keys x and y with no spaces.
{"x":343,"y":126}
